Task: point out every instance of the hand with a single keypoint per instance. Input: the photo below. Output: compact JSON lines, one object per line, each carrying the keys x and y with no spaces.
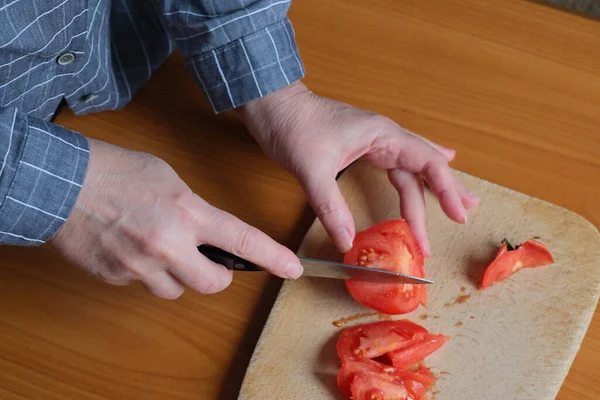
{"x":135,"y":219}
{"x":314,"y":138}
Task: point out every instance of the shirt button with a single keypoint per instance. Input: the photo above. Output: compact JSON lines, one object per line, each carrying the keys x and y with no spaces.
{"x":65,"y":58}
{"x":88,"y":97}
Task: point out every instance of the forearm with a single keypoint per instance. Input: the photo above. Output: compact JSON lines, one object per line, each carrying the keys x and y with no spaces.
{"x":42,"y":168}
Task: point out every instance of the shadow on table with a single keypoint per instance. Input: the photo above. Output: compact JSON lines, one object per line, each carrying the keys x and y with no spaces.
{"x":235,"y":375}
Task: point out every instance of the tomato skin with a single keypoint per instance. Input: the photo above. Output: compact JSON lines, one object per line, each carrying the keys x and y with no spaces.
{"x":387,"y":245}
{"x":531,"y":254}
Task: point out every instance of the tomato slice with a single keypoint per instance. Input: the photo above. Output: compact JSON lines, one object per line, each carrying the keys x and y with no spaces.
{"x":398,"y":345}
{"x":530,"y":254}
{"x":417,"y":351}
{"x":375,"y":375}
{"x":387,"y":245}
{"x":378,"y":338}
{"x":375,"y":387}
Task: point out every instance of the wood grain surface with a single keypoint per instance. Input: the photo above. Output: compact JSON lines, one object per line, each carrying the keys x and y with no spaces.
{"x":537,"y":316}
{"x":514,"y":86}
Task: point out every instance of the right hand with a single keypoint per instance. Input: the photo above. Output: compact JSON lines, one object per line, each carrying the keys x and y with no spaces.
{"x":135,"y":219}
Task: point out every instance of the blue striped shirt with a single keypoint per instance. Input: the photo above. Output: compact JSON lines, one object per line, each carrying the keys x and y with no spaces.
{"x":96,"y":55}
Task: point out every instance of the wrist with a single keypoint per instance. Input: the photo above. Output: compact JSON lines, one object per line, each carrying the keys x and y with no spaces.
{"x":272,"y":103}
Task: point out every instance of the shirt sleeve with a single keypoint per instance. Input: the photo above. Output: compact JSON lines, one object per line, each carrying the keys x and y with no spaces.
{"x":42,"y":168}
{"x":238,"y":50}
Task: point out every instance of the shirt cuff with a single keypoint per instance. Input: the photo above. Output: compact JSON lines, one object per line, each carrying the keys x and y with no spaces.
{"x":42,"y":177}
{"x":248,"y":68}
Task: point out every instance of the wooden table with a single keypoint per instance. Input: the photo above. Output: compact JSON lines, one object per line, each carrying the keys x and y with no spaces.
{"x":512,"y":85}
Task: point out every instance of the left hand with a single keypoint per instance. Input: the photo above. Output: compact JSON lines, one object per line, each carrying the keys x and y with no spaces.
{"x":314,"y":138}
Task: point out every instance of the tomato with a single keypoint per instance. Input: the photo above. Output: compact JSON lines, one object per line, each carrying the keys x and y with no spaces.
{"x":391,"y":246}
{"x":377,"y":338}
{"x":530,"y":254}
{"x":401,"y":343}
{"x":376,"y":379}
{"x":417,"y":351}
{"x":376,"y":387}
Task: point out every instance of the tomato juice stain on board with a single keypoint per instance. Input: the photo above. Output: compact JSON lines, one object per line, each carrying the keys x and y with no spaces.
{"x":462,"y":289}
{"x":345,"y":320}
{"x":459,"y":323}
{"x":384,"y":317}
{"x":423,"y":316}
{"x":461,"y":299}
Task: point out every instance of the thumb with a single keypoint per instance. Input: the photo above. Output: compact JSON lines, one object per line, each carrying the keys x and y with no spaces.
{"x":326,"y":199}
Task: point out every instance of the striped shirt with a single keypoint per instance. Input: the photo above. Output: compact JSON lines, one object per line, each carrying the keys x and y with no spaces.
{"x":96,"y":55}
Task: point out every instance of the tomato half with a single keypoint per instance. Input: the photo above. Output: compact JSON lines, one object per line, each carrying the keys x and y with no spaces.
{"x":378,"y":338}
{"x":387,"y":245}
{"x":530,"y":254}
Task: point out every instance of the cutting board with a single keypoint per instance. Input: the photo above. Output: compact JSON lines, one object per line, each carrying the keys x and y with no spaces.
{"x":515,"y":340}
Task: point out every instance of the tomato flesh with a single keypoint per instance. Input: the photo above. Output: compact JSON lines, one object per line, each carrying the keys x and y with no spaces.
{"x":388,"y":245}
{"x":530,"y":254}
{"x":417,"y":351}
{"x":404,"y":343}
{"x":378,"y":338}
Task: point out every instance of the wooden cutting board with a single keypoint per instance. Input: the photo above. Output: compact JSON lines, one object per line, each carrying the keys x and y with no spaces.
{"x":515,"y":340}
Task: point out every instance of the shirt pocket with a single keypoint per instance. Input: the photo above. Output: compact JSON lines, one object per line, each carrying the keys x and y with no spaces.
{"x":42,"y":28}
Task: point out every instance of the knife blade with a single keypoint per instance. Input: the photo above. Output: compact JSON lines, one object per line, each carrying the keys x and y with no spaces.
{"x":316,"y":268}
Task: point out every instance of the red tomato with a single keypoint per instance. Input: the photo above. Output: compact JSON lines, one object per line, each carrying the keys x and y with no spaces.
{"x":378,"y":338}
{"x":530,"y":254}
{"x":402,"y":342}
{"x":376,"y":387}
{"x":391,"y":246}
{"x":417,"y":351}
{"x":371,"y":378}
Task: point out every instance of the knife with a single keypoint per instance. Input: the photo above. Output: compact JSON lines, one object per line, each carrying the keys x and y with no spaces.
{"x":314,"y":267}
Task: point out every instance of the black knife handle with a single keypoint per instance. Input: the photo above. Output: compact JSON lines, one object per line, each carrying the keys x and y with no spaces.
{"x":230,"y":261}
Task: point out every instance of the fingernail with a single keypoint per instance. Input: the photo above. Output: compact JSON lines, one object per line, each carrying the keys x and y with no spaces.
{"x":464,"y":214}
{"x":345,"y":239}
{"x":426,"y":250}
{"x":473,"y":195}
{"x":293,"y":270}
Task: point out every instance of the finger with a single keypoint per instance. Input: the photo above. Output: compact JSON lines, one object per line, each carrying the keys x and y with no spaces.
{"x":330,"y":206}
{"x":448,"y":154}
{"x":227,"y":232}
{"x":412,"y":204}
{"x":398,"y":149}
{"x":469,"y":200}
{"x":162,"y":284}
{"x":197,"y":272}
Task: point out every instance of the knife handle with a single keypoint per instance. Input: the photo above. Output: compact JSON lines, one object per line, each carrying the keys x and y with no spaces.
{"x":228,"y":260}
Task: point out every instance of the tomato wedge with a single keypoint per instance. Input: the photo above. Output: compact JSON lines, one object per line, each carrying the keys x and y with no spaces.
{"x":387,"y":245}
{"x":368,"y":351}
{"x":509,"y":260}
{"x":417,"y":351}
{"x":378,"y":338}
{"x":374,"y":374}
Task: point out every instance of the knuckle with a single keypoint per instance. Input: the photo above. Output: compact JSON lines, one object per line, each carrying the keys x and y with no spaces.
{"x":326,"y":208}
{"x":246,"y":242}
{"x":382,"y":122}
{"x":113,"y":276}
{"x":155,"y":242}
